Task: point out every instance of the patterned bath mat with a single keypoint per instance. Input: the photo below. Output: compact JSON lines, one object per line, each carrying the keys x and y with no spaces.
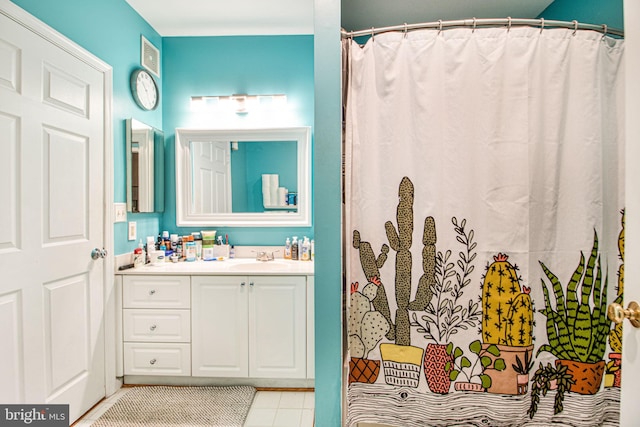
{"x":162,"y":406}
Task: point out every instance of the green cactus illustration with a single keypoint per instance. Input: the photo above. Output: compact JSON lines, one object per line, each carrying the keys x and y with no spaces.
{"x":366,"y":326}
{"x":400,"y":241}
{"x":615,"y":336}
{"x":445,"y":315}
{"x":371,"y":266}
{"x":577,"y":329}
{"x":507,"y":308}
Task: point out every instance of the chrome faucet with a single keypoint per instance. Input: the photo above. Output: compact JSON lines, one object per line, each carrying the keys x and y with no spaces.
{"x":265,"y":256}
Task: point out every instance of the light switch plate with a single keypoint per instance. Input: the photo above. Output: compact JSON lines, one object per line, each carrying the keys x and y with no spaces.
{"x":119,"y":212}
{"x":132,"y":230}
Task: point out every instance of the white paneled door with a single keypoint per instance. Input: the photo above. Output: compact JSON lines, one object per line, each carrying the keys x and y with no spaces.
{"x":51,"y":218}
{"x":211,"y":176}
{"x":630,"y":410}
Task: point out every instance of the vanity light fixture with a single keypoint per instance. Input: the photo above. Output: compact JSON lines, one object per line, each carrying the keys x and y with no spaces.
{"x":238,"y":103}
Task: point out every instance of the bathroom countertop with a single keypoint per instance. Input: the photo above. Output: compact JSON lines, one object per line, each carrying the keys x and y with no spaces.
{"x":235,"y":266}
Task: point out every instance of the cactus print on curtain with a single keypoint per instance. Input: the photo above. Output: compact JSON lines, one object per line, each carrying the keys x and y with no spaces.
{"x":484,"y":228}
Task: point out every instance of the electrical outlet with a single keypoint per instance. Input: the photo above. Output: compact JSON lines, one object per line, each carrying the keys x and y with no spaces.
{"x":132,"y":230}
{"x":119,"y":212}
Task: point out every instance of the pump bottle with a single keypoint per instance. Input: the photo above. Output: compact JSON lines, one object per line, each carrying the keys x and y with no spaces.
{"x":294,"y":248}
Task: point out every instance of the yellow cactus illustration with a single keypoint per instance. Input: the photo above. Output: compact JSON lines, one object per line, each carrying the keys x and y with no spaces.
{"x":615,"y":336}
{"x":507,"y":311}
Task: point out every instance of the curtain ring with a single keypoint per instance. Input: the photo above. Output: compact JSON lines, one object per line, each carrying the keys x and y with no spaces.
{"x":541,"y":25}
{"x":604,"y":32}
{"x":474,"y":25}
{"x":439,"y":26}
{"x":575,"y":27}
{"x":508,"y":24}
{"x":405,"y":30}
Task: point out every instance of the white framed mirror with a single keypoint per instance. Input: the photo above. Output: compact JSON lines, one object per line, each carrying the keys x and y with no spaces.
{"x":145,"y":167}
{"x":258,"y":177}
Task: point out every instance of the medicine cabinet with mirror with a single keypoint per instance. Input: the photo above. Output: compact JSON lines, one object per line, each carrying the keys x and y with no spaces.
{"x":145,"y":167}
{"x":243,"y":177}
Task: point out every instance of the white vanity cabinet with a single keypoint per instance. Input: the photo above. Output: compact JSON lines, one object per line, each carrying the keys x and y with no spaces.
{"x":156,"y":325}
{"x":249,"y":326}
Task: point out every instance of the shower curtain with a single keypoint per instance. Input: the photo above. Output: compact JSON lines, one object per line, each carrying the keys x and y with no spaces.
{"x":484,"y":227}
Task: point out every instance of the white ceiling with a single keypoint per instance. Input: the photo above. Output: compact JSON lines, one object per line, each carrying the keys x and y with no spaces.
{"x":267,"y":17}
{"x":223,"y":17}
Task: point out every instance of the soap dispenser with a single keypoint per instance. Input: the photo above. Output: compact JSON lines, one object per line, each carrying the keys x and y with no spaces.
{"x":305,"y":252}
{"x":294,"y":248}
{"x":287,"y":249}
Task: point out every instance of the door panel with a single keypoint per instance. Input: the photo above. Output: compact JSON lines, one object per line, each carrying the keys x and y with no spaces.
{"x":51,"y":217}
{"x":629,"y":408}
{"x":219,"y":326}
{"x":12,"y":369}
{"x":277,"y":327}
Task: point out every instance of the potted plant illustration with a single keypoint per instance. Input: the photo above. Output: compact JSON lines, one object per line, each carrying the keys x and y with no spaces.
{"x":522,"y":368}
{"x":507,"y":321}
{"x":547,"y":378}
{"x":401,"y":361}
{"x":444,"y":316}
{"x":366,"y":328}
{"x":577,"y":326}
{"x":610,"y":370}
{"x":475,"y":374}
{"x":613,"y":370}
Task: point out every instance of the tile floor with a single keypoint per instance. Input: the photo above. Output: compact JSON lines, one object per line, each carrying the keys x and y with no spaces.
{"x":269,"y":409}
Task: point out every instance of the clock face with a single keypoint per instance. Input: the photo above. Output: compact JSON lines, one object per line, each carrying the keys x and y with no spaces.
{"x":144,"y":89}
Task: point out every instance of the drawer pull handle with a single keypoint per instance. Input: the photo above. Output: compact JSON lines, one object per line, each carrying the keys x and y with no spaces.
{"x":242,"y":283}
{"x":153,"y":361}
{"x":153,"y":327}
{"x":250,"y":283}
{"x":152,"y":291}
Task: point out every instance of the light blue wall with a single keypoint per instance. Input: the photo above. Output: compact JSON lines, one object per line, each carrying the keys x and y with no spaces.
{"x":327,"y":192}
{"x":195,"y":66}
{"x":250,"y":161}
{"x":110,"y":30}
{"x":598,"y":12}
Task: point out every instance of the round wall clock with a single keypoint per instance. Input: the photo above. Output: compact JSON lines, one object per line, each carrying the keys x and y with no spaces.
{"x":144,"y":89}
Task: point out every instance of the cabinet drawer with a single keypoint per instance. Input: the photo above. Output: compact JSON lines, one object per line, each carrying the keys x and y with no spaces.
{"x":157,"y":325}
{"x":156,"y":292}
{"x":157,"y":359}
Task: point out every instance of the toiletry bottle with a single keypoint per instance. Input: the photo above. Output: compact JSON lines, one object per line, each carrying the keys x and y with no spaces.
{"x":179,"y":247}
{"x":294,"y":248}
{"x":197,"y":237}
{"x":138,"y":258}
{"x":304,"y":252}
{"x":143,"y":253}
{"x":191,"y":250}
{"x":163,"y":249}
{"x":232,"y":252}
{"x":312,"y":249}
{"x":287,"y":249}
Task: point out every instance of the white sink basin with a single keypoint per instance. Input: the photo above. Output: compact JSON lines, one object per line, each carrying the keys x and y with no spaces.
{"x":263,"y":266}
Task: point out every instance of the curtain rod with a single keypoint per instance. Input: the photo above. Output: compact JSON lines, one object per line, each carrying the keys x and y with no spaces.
{"x":484,"y":22}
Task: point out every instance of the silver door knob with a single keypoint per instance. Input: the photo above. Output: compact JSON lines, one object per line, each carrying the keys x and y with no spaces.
{"x":98,"y":253}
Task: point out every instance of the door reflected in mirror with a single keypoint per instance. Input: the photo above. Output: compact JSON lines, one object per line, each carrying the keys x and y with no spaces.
{"x":145,"y":167}
{"x":250,"y":177}
{"x":228,"y":176}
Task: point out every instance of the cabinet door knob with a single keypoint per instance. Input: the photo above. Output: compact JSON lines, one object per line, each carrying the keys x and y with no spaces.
{"x":153,"y":327}
{"x":152,"y":361}
{"x":242,"y":283}
{"x":250,"y":283}
{"x":152,"y":291}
